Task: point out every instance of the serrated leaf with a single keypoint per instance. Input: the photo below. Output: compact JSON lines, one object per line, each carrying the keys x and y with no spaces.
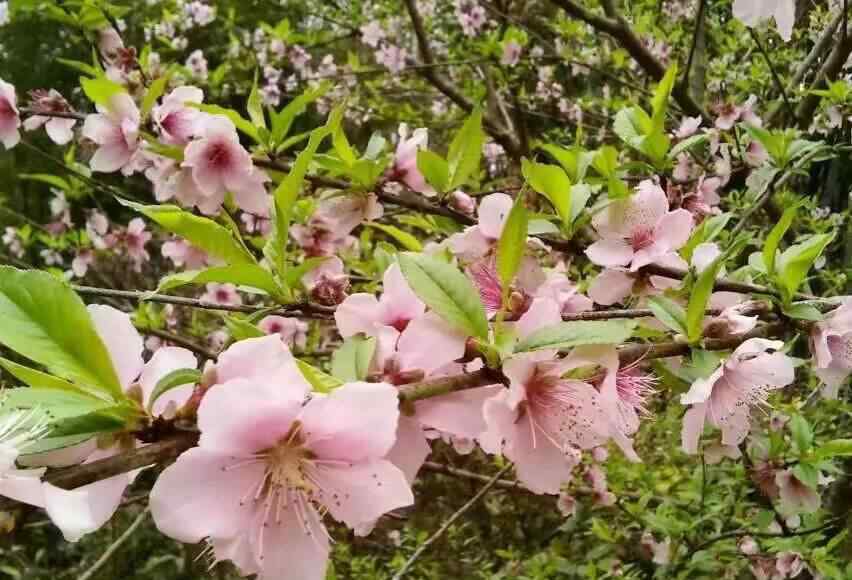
{"x":512,"y":243}
{"x":201,"y":232}
{"x":283,"y":120}
{"x":660,"y":101}
{"x":803,"y":435}
{"x":241,"y":329}
{"x":45,"y":321}
{"x":249,"y":275}
{"x":254,"y":107}
{"x":172,"y":380}
{"x":321,"y":382}
{"x":446,"y":291}
{"x":465,"y":150}
{"x":565,"y":335}
{"x":351,"y":362}
{"x":669,"y":313}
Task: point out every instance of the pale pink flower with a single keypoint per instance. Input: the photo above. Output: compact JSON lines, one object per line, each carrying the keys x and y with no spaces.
{"x":404,"y":167}
{"x":13,"y":242}
{"x":110,"y":44}
{"x":269,"y":465}
{"x":220,"y":164}
{"x":688,"y":126}
{"x":726,"y":397}
{"x":660,"y":552}
{"x":752,"y":12}
{"x":542,"y":421}
{"x":566,"y":504}
{"x":364,"y":313}
{"x":640,"y":230}
{"x":477,"y":241}
{"x":10,"y":119}
{"x":345,"y":213}
{"x":789,"y":564}
{"x":183,"y":254}
{"x":135,"y":238}
{"x":756,"y":154}
{"x":171,"y":180}
{"x":59,"y":129}
{"x":19,"y":429}
{"x":372,"y":33}
{"x":224,"y":294}
{"x":97,"y":226}
{"x":462,"y":202}
{"x":748,"y":546}
{"x":831,"y":345}
{"x":392,"y":57}
{"x":81,"y":262}
{"x":175,"y":120}
{"x":794,"y":495}
{"x":115,"y":129}
{"x":703,"y":201}
{"x":328,"y":283}
{"x":731,"y":321}
{"x":616,"y":285}
{"x":293,"y":332}
{"x":511,"y":53}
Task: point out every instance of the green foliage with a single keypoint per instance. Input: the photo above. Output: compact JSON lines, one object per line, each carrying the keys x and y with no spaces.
{"x":512,"y":243}
{"x":566,"y":335}
{"x":351,"y":362}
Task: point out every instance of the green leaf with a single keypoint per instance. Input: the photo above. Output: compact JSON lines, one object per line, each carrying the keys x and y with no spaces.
{"x":53,"y":180}
{"x":254,"y":107}
{"x":241,"y":329}
{"x":794,"y":264}
{"x":408,"y":241}
{"x":465,"y":150}
{"x":101,"y":90}
{"x":773,"y":239}
{"x":708,"y":231}
{"x":807,"y":474}
{"x":688,"y":144}
{"x":294,"y":275}
{"x":154,"y":92}
{"x":834,"y":448}
{"x":669,"y":313}
{"x":342,"y":147}
{"x":446,"y":291}
{"x":351,"y":362}
{"x":565,"y":335}
{"x":552,"y":182}
{"x":172,"y":380}
{"x":283,"y":120}
{"x":605,"y":161}
{"x":434,"y":168}
{"x":39,"y":380}
{"x":628,"y":126}
{"x":700,"y":297}
{"x":45,"y":321}
{"x":575,"y":160}
{"x":512,"y":243}
{"x":660,"y":101}
{"x":803,"y":435}
{"x":250,"y":275}
{"x":803,"y":312}
{"x":321,"y":382}
{"x":201,"y":232}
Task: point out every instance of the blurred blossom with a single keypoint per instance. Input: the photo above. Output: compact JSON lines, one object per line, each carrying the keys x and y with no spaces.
{"x":372,"y":33}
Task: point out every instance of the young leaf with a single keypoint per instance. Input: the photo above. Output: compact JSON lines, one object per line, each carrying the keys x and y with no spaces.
{"x":434,"y":169}
{"x":254,"y":107}
{"x":669,"y":313}
{"x":282,"y":120}
{"x":201,"y":232}
{"x":565,"y":335}
{"x":446,"y":291}
{"x":803,"y":312}
{"x":793,"y":265}
{"x":321,"y":382}
{"x":408,"y":241}
{"x":512,"y":242}
{"x":240,"y":274}
{"x":660,"y":102}
{"x":552,"y":182}
{"x":154,"y":92}
{"x":45,"y":321}
{"x":773,"y":239}
{"x":465,"y":150}
{"x":351,"y":362}
{"x":803,"y":435}
{"x":172,"y":380}
{"x":834,"y":448}
{"x":700,"y":297}
{"x":39,"y":380}
{"x":101,"y":90}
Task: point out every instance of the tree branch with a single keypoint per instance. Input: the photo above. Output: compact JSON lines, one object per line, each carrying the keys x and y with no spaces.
{"x":827,"y":73}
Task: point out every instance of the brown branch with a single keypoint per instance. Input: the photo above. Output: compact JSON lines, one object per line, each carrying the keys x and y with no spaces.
{"x":181,"y":341}
{"x":827,"y":73}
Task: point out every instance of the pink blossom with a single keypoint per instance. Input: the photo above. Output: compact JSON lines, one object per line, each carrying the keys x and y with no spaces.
{"x":364,"y":313}
{"x":175,"y":120}
{"x":81,"y":262}
{"x":13,"y":242}
{"x":566,"y":504}
{"x":462,"y":202}
{"x":171,"y":180}
{"x":328,"y":283}
{"x":687,"y":128}
{"x":269,"y":465}
{"x":640,"y":230}
{"x":616,"y":285}
{"x":726,"y":397}
{"x":703,"y":200}
{"x":293,"y":332}
{"x":795,"y":496}
{"x":831,"y":345}
{"x":372,"y":33}
{"x":732,"y":321}
{"x":224,"y":294}
{"x":9,"y":116}
{"x":97,"y":225}
{"x":756,"y":154}
{"x":511,"y":53}
{"x":477,"y":241}
{"x":345,"y":213}
{"x":748,"y":546}
{"x":789,"y":564}
{"x":752,"y":12}
{"x":115,"y":129}
{"x":660,"y":552}
{"x":183,"y":254}
{"x":197,"y":65}
{"x":18,"y":429}
{"x":220,"y":164}
{"x":59,"y":129}
{"x":135,"y":238}
{"x":405,"y":162}
{"x":392,"y":57}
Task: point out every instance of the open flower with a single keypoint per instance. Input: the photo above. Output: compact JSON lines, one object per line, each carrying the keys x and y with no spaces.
{"x":176,"y":121}
{"x":59,"y":129}
{"x":9,"y":117}
{"x":831,"y":345}
{"x":726,"y":397}
{"x":639,"y":230}
{"x":364,"y":313}
{"x":220,"y":164}
{"x":269,"y":465}
{"x":477,"y":241}
{"x":752,"y":12}
{"x":115,"y":129}
{"x":405,"y":162}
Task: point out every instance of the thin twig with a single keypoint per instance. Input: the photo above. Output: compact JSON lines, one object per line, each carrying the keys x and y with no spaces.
{"x":699,"y":22}
{"x":449,"y":522}
{"x":775,"y":78}
{"x":740,"y":533}
{"x":113,"y":548}
{"x":181,"y":341}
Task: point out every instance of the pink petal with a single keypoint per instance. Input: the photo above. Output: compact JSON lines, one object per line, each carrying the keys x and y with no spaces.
{"x":110,"y":158}
{"x":493,"y":211}
{"x":460,"y":413}
{"x":199,"y":496}
{"x":80,"y":511}
{"x":410,"y":449}
{"x":693,"y":426}
{"x":540,"y":465}
{"x":60,"y":130}
{"x":610,"y":252}
{"x":23,"y":485}
{"x":398,"y":302}
{"x":356,"y":422}
{"x":611,"y":286}
{"x":166,"y":360}
{"x":265,"y":359}
{"x":122,"y":341}
{"x":673,"y":230}
{"x":446,"y":344}
{"x":543,"y":312}
{"x":294,"y":546}
{"x":358,"y":313}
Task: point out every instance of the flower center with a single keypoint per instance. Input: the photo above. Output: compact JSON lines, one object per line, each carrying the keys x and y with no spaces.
{"x":218,"y":156}
{"x":286,"y":465}
{"x":641,"y":238}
